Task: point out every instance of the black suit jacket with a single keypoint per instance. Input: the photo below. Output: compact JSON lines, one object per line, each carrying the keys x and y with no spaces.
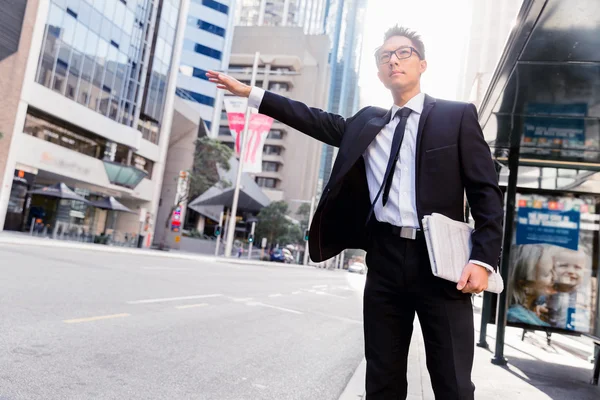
{"x":451,"y":157}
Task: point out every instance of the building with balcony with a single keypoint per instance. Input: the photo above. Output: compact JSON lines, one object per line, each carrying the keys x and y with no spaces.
{"x":87,"y":92}
{"x":295,"y":65}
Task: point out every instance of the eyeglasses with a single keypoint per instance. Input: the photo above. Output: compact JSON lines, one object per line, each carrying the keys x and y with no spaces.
{"x":384,"y":57}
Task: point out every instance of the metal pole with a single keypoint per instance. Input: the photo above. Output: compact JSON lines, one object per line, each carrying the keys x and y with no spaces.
{"x":486,"y":307}
{"x":251,"y":243}
{"x":485,"y":316}
{"x":511,"y":194}
{"x":236,"y":192}
{"x":221,"y":233}
{"x":312,"y":210}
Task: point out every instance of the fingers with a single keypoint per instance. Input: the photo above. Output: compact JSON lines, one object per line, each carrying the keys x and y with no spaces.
{"x":464,"y":279}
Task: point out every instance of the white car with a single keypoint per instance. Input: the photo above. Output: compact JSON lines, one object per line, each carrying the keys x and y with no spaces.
{"x":357,"y":267}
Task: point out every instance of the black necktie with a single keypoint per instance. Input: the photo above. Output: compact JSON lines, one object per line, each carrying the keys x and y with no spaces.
{"x":386,"y":185}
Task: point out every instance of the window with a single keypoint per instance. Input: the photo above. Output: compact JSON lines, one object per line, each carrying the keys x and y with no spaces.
{"x":272,"y":150}
{"x":199,"y":98}
{"x":207,"y":51}
{"x":205,"y":26}
{"x":281,"y":86}
{"x":275,"y":134}
{"x":200,"y":49}
{"x":215,"y":5}
{"x":269,"y":183}
{"x":224,"y":131}
{"x":269,"y":166}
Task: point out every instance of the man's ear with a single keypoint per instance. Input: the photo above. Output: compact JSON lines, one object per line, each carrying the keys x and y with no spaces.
{"x":423,"y":66}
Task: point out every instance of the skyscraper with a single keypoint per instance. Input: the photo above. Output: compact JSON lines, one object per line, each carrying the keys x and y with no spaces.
{"x":207,"y":45}
{"x":87,"y":101}
{"x":344,"y":25}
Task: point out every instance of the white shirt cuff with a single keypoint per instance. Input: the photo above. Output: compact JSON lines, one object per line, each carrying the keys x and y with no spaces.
{"x":255,"y":98}
{"x":482,"y":264}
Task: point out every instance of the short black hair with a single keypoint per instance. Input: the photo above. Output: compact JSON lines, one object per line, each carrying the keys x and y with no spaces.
{"x":413,"y":36}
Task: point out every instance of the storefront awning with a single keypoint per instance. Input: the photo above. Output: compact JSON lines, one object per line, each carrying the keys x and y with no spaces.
{"x":251,"y":197}
{"x":123,"y":175}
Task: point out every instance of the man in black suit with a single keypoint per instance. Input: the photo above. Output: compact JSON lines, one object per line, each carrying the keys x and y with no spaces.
{"x":393,"y":167}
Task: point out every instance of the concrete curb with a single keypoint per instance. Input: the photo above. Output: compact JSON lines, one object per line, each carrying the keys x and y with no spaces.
{"x":355,"y":390}
{"x":45,"y":242}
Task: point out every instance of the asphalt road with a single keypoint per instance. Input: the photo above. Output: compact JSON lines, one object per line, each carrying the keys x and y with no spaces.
{"x":78,"y":324}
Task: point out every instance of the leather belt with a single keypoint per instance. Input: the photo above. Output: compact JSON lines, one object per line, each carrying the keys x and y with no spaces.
{"x":400,"y":231}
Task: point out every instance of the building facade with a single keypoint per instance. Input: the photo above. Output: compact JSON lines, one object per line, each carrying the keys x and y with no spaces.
{"x":491,"y":23}
{"x":295,"y":65}
{"x":206,"y":46}
{"x":307,"y":14}
{"x":88,"y":102}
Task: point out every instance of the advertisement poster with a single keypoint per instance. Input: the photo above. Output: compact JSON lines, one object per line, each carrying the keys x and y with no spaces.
{"x":259,"y":128}
{"x":553,"y":274}
{"x":555,"y":130}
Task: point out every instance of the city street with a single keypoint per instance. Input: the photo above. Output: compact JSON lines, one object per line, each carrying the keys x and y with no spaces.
{"x":89,"y":324}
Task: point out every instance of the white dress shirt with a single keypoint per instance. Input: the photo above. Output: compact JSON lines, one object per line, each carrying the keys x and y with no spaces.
{"x":401,"y":207}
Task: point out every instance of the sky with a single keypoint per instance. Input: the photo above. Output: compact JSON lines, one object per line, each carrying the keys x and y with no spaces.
{"x":444,"y":27}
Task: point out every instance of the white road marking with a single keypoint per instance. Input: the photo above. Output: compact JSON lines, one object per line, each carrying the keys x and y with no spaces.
{"x":191,"y":306}
{"x":167,"y":299}
{"x":240,"y":300}
{"x":296,"y":292}
{"x":255,"y":303}
{"x":259,"y":386}
{"x":319,"y":286}
{"x":98,"y":318}
{"x":275,"y":295}
{"x":329,"y":294}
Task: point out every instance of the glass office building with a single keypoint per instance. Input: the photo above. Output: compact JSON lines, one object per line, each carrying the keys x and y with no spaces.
{"x":98,"y":93}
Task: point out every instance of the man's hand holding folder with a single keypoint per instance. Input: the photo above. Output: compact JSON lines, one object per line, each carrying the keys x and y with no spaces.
{"x":449,"y":247}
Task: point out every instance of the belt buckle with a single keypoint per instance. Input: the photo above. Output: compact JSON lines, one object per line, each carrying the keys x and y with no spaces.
{"x":408,"y":233}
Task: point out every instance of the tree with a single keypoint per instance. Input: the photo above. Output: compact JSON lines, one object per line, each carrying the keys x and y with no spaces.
{"x":210,"y":157}
{"x":274,"y":225}
{"x":303,"y":214}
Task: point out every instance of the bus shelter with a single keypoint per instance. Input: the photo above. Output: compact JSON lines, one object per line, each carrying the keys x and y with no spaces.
{"x":541,"y":118}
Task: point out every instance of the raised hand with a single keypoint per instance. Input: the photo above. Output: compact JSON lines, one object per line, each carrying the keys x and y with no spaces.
{"x":228,"y":83}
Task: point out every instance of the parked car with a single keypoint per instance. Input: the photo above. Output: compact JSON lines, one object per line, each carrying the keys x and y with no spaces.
{"x":282,"y":255}
{"x":358,"y":268}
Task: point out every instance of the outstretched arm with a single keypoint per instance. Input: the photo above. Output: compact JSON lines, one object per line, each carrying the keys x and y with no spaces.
{"x":323,"y":126}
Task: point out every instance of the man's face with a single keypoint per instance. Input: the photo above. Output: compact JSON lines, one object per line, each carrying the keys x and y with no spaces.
{"x":400,"y":74}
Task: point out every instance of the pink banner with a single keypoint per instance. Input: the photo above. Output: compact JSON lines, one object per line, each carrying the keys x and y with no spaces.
{"x":259,"y":128}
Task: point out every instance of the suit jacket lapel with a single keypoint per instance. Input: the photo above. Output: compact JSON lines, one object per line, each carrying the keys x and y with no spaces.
{"x":364,"y":139}
{"x":428,"y":104}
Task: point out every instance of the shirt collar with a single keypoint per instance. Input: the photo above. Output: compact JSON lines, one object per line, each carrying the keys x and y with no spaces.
{"x":415,"y":104}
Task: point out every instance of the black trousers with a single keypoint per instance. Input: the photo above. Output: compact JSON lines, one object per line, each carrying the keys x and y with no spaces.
{"x":400,"y":284}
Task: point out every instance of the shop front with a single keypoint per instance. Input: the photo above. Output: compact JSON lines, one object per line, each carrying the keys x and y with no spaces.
{"x":43,"y":164}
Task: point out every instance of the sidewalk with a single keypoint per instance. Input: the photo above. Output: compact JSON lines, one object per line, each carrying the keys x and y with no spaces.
{"x":535,"y":370}
{"x":22,"y":239}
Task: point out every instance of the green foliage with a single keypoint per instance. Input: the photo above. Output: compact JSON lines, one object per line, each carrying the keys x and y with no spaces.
{"x":303,"y":214}
{"x":210,"y":155}
{"x":273,"y":224}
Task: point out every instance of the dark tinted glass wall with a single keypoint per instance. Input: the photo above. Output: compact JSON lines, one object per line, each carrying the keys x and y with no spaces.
{"x":11,"y":21}
{"x":92,"y":53}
